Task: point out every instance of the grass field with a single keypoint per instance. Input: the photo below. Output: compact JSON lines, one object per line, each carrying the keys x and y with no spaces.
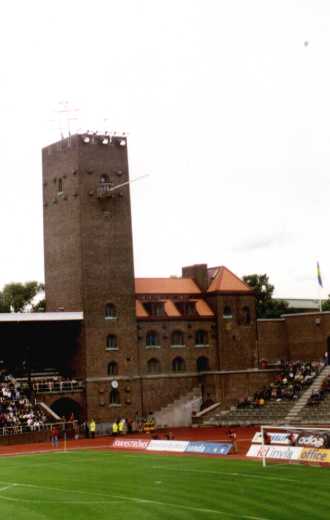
{"x":93,"y":485}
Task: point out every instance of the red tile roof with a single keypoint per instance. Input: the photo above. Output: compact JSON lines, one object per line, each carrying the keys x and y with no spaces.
{"x":140,"y":310}
{"x":203,"y":309}
{"x":223,"y":280}
{"x":166,"y":286}
{"x":171,"y":310}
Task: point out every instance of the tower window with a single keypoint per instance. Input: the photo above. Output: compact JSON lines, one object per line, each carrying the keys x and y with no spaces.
{"x":112,"y":368}
{"x":112,"y":342}
{"x":60,"y":186}
{"x":110,"y":311}
{"x":178,"y":364}
{"x":114,"y":397}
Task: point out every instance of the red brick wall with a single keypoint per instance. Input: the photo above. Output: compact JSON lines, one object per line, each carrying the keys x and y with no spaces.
{"x":272,"y":340}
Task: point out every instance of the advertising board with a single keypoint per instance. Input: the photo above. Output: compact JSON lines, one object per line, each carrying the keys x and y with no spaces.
{"x":278,"y":438}
{"x":274,"y":452}
{"x":135,"y":444}
{"x":210,"y":448}
{"x":176,"y":446}
{"x":315,"y":455}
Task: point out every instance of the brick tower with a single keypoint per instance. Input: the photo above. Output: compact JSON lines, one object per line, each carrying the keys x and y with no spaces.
{"x":89,"y":263}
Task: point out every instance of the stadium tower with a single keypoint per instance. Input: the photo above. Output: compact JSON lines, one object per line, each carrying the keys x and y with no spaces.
{"x":89,"y":263}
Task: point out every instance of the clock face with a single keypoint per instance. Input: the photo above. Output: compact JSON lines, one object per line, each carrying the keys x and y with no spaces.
{"x":114,"y":384}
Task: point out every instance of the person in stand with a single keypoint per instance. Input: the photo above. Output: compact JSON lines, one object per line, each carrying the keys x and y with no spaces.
{"x":92,"y":428}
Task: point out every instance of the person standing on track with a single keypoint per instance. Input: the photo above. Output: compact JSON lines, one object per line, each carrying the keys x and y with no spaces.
{"x":54,"y":436}
{"x":92,"y":428}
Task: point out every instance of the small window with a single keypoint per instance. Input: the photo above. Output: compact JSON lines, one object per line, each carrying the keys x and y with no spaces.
{"x":246,"y":315}
{"x":112,"y":368}
{"x":152,"y":339}
{"x":202,"y":364}
{"x":201,"y":337}
{"x":153,"y":366}
{"x":178,"y":364}
{"x":177,"y":338}
{"x":227,"y":312}
{"x":186,"y":308}
{"x":104,"y":179}
{"x":60,"y":186}
{"x":114,"y":396}
{"x":112,"y":342}
{"x":110,"y":311}
{"x":154,"y":308}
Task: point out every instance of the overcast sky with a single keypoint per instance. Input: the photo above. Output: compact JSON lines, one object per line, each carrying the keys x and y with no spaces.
{"x":227,"y":107}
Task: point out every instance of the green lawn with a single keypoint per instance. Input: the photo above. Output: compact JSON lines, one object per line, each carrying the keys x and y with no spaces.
{"x":92,"y":485}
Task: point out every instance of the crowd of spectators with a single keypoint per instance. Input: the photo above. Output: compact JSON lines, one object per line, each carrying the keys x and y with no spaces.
{"x":318,"y":395}
{"x":288,"y":384}
{"x":16,"y":408}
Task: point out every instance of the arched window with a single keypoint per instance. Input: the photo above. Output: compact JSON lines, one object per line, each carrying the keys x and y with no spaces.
{"x":177,"y":338}
{"x":153,"y":366}
{"x":201,"y":337}
{"x":112,"y":368}
{"x":114,"y":397}
{"x":202,"y":364}
{"x":227,"y":312}
{"x":112,"y":342}
{"x":178,"y":364}
{"x":60,"y":186}
{"x":246,"y":315}
{"x":152,"y":339}
{"x":110,"y":311}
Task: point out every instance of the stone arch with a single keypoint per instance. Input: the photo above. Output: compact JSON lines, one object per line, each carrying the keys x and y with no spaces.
{"x":65,"y":407}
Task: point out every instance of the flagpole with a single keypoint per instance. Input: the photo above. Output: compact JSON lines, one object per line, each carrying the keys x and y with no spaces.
{"x":320,"y":284}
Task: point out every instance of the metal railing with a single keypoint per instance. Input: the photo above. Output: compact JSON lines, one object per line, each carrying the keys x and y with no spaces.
{"x":104,"y":189}
{"x":57,"y":387}
{"x":68,"y":426}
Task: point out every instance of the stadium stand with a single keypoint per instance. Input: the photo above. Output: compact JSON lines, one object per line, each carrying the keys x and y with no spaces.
{"x":272,"y":404}
{"x":17,"y":409}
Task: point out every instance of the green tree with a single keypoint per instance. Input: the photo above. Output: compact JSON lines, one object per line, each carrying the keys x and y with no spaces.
{"x":266,"y":306}
{"x":19,"y":297}
{"x":326,"y":304}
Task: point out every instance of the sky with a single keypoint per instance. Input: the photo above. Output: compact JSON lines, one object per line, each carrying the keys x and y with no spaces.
{"x":226,"y":104}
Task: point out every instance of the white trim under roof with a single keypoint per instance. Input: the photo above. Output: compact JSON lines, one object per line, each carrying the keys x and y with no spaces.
{"x":40,"y":316}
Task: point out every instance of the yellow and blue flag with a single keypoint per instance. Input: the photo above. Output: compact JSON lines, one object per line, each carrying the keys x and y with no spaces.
{"x":319,"y":275}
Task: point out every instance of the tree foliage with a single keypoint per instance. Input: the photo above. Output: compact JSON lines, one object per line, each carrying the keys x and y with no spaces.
{"x":326,"y":304}
{"x":19,"y":297}
{"x":266,"y":306}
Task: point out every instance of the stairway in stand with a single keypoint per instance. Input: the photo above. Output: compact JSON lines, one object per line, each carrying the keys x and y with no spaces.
{"x":295,"y":415}
{"x":179,"y":412}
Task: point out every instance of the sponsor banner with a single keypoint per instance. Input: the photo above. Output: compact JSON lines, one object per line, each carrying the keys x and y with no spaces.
{"x":314,"y":455}
{"x":274,"y":452}
{"x":135,"y":444}
{"x":313,"y":440}
{"x":279,"y":438}
{"x":177,"y":446}
{"x":211,"y":448}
